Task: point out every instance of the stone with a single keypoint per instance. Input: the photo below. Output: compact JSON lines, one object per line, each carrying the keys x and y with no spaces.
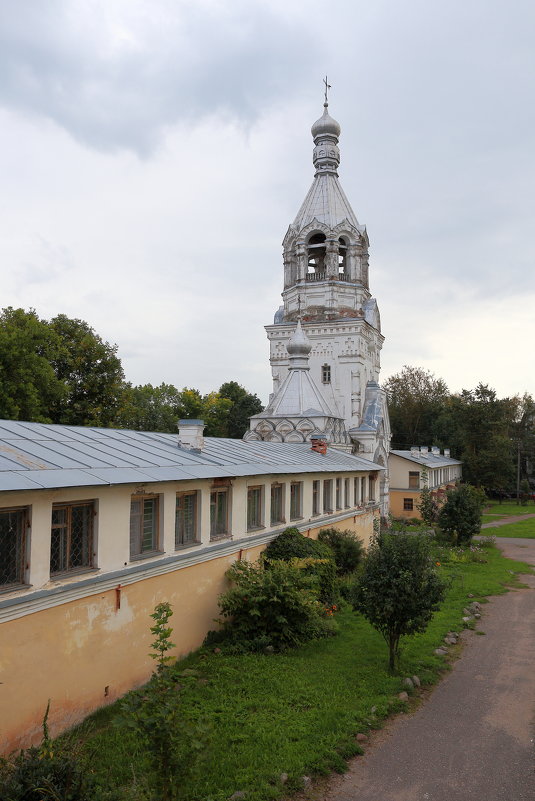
{"x":408,"y":683}
{"x":361,"y":738}
{"x":466,"y":611}
{"x":269,"y":649}
{"x":468,"y":619}
{"x":403,"y":696}
{"x":416,"y":681}
{"x":283,"y":778}
{"x":450,"y":640}
{"x":237,"y":795}
{"x":477,"y":616}
{"x":440,"y":651}
{"x":307,"y":781}
{"x":373,"y":710}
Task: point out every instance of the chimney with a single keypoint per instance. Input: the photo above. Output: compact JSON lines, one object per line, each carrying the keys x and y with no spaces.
{"x":415,"y":450}
{"x":423,"y":450}
{"x":447,"y":453}
{"x":318,"y":443}
{"x":190,"y":434}
{"x":435,"y":451}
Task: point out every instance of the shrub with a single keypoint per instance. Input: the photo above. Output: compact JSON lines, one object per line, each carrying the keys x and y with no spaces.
{"x":276,"y":606}
{"x":399,"y":588}
{"x":291,"y":544}
{"x":348,"y":550}
{"x":460,"y":517}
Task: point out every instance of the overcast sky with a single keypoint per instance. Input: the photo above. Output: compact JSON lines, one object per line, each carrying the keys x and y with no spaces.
{"x":154,"y":152}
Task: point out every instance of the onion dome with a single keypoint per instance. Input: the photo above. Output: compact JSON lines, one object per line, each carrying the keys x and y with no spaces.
{"x":326,"y":125}
{"x":299,"y":346}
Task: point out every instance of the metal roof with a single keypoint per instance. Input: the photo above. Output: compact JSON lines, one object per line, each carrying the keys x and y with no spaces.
{"x":428,"y":459}
{"x":39,"y":456}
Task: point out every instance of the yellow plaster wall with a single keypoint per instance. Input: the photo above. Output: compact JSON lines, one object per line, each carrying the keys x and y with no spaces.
{"x":88,"y":652}
{"x":396,"y":503}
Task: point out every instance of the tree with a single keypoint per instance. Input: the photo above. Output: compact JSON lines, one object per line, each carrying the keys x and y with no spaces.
{"x":460,"y":517}
{"x":244,"y":405}
{"x":29,"y":385}
{"x":415,"y":398}
{"x":148,"y":408}
{"x":92,"y":373}
{"x":427,"y":505}
{"x":399,"y":588}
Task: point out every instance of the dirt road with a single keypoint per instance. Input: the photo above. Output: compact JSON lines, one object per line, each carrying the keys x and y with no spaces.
{"x":473,"y":739}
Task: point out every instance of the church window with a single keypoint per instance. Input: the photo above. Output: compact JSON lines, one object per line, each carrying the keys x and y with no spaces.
{"x":326,"y":374}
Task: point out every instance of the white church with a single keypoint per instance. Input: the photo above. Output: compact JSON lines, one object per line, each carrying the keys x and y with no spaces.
{"x":325,"y":340}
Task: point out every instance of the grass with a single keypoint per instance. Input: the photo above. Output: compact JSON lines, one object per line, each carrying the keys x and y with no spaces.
{"x":294,"y":713}
{"x":524,"y":529}
{"x":496,"y":511}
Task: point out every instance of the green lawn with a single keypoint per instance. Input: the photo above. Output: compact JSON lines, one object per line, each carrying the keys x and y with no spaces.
{"x":495,"y":510}
{"x":524,"y":529}
{"x":294,"y":713}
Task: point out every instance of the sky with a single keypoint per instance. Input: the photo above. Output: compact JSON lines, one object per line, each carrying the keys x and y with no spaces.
{"x":154,"y":152}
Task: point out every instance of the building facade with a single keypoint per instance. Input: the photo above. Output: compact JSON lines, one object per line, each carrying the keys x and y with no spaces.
{"x":411,"y":470}
{"x":97,"y":526}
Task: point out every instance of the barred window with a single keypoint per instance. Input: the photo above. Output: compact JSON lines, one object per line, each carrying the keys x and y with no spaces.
{"x":277,"y":504}
{"x":71,"y":546}
{"x":13,"y":525}
{"x":325,"y":374}
{"x":219,"y":513}
{"x":144,"y":524}
{"x":316,"y":497}
{"x":254,"y":508}
{"x":328,"y":495}
{"x":296,"y":500}
{"x":408,"y":504}
{"x":186,"y":518}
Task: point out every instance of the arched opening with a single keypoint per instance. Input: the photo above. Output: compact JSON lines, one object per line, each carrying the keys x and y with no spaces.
{"x":342,"y":258}
{"x":316,"y":257}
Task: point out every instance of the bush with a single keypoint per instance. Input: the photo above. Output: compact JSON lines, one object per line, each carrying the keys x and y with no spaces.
{"x":348,"y":550}
{"x":460,"y":517}
{"x":399,"y":588}
{"x":277,"y":605}
{"x":291,"y":544}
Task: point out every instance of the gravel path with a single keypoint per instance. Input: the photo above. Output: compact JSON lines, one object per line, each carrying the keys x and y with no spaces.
{"x":473,"y":738}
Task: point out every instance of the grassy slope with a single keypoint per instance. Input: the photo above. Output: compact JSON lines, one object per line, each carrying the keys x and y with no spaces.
{"x":297,"y":712}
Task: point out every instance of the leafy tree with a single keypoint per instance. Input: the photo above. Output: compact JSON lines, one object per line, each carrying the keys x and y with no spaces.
{"x":29,"y":386}
{"x":460,"y":517}
{"x":148,"y":408}
{"x":415,"y":398}
{"x":244,"y":405}
{"x":348,"y":550}
{"x":427,"y":505}
{"x":91,"y":372}
{"x":399,"y":588}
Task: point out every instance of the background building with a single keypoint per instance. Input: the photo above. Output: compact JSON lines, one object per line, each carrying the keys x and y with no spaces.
{"x":411,"y":470}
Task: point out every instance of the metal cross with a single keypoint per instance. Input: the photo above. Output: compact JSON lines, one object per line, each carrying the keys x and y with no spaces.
{"x":327,"y":87}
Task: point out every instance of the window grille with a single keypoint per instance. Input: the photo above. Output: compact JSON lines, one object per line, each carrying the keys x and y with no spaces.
{"x":186,"y":518}
{"x":13,"y":525}
{"x":254,"y":508}
{"x":219,"y":513}
{"x":277,"y":504}
{"x":144,"y":525}
{"x":295,"y":500}
{"x":71,"y":546}
{"x":408,"y":504}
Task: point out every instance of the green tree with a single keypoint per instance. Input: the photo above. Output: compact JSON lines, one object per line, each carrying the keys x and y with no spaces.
{"x":92,"y":373}
{"x":415,"y":398}
{"x":460,"y":517}
{"x":427,"y":505}
{"x":399,"y":588}
{"x":29,"y":386}
{"x":148,"y":408}
{"x":244,"y":405}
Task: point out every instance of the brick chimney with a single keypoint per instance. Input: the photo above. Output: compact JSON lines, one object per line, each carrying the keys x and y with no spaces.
{"x":318,"y":443}
{"x":190,"y":434}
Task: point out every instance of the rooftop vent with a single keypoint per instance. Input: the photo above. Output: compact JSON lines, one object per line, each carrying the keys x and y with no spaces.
{"x":190,"y":434}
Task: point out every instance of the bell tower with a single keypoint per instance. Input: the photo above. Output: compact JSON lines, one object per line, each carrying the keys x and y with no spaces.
{"x":326,"y":286}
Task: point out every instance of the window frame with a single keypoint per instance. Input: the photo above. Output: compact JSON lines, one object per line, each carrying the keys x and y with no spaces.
{"x":414,"y":479}
{"x":180,"y":541}
{"x":316,"y":497}
{"x":255,"y":522}
{"x":278,"y":488}
{"x":327,"y":495}
{"x":145,"y":553}
{"x":215,"y":533}
{"x":296,"y":500}
{"x":69,"y":506}
{"x":326,"y":373}
{"x":338,"y":494}
{"x":408,"y":504}
{"x":20,"y":561}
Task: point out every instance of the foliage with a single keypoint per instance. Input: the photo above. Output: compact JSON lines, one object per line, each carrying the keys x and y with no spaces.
{"x":348,"y":550}
{"x":170,"y":740}
{"x":244,"y":405}
{"x":291,"y":544}
{"x":399,"y":588}
{"x":162,"y":632}
{"x":29,"y":387}
{"x":414,"y":398}
{"x":51,"y":772}
{"x":460,"y":517}
{"x":276,"y":605}
{"x":427,"y":505}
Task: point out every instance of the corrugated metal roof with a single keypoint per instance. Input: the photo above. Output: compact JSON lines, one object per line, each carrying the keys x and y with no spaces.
{"x":428,"y":459}
{"x":38,"y":456}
